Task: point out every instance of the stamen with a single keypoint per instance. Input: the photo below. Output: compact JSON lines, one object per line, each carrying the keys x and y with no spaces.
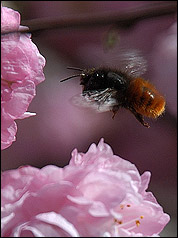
{"x":121,"y":206}
{"x":136,"y":222}
{"x":131,"y":228}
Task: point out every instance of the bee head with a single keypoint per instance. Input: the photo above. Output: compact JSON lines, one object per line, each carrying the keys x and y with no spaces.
{"x":92,"y":79}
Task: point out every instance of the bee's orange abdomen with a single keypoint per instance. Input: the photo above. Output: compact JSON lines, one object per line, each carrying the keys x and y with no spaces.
{"x":145,"y":99}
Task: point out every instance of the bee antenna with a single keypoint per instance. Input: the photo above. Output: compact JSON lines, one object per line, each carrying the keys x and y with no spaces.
{"x":73,"y":76}
{"x":75,"y":68}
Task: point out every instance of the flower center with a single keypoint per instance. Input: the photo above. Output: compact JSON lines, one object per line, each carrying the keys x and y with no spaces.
{"x":129,"y":225}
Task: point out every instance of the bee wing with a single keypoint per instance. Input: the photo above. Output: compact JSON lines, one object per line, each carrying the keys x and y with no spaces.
{"x":99,"y":100}
{"x":130,"y":61}
{"x":133,"y":63}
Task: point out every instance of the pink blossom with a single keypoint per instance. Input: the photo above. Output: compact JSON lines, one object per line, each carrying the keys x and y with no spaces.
{"x":97,"y":194}
{"x":21,"y":70}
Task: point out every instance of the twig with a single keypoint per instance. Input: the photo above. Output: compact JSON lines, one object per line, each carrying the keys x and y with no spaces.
{"x":122,"y":19}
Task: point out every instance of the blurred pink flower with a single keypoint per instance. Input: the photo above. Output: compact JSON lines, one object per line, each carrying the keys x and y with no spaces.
{"x":97,"y":194}
{"x":21,"y":70}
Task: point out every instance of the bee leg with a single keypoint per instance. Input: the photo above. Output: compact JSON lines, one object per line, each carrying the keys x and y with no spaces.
{"x":139,"y":117}
{"x":114,"y":110}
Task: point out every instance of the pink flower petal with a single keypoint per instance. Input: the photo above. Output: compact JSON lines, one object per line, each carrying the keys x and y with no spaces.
{"x":8,"y":132}
{"x":58,"y":220}
{"x":21,"y":70}
{"x":97,"y":194}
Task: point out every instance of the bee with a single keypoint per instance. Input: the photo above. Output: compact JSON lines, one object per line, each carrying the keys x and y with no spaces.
{"x":108,"y":89}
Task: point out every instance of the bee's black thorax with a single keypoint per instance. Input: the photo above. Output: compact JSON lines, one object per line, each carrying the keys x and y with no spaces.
{"x":102,"y":78}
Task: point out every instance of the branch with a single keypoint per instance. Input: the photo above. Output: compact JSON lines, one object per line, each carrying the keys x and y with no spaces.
{"x":122,"y":19}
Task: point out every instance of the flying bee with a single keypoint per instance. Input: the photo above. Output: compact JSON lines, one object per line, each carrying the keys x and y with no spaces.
{"x":108,"y":89}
